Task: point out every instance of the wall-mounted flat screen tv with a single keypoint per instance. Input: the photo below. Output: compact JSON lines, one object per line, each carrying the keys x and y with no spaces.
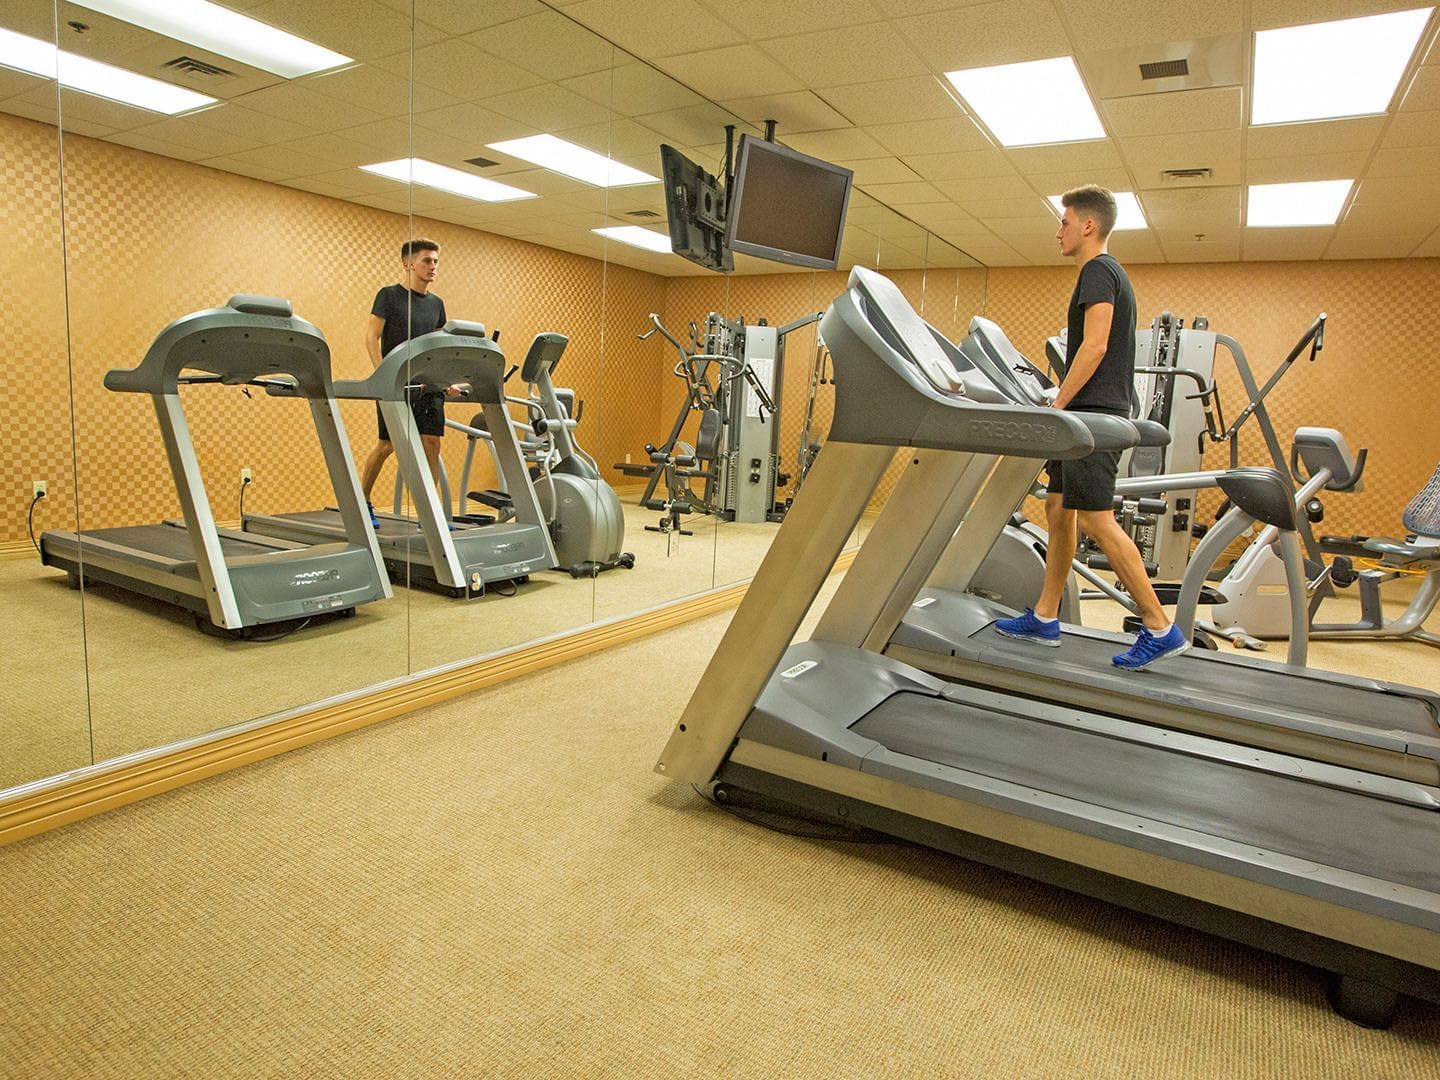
{"x":786,"y":206}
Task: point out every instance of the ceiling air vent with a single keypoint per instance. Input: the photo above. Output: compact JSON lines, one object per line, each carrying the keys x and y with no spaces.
{"x":197,"y":67}
{"x":1180,"y":176}
{"x":641,"y":213}
{"x":480,"y":162}
{"x":1165,"y":69}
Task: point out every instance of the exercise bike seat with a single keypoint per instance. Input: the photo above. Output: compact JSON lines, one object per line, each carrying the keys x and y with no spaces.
{"x":1261,"y":493}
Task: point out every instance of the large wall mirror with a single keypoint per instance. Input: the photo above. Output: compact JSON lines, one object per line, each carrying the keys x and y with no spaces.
{"x":414,"y":120}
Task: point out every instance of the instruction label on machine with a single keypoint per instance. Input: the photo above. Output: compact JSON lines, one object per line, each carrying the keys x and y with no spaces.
{"x":799,"y":669}
{"x":761,"y":345}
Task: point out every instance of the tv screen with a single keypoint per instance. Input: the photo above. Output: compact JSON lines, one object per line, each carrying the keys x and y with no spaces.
{"x":695,"y":210}
{"x":786,"y":206}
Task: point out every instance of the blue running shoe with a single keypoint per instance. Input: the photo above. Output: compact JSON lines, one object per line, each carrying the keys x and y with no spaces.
{"x":1030,"y":627}
{"x":1148,"y":648}
{"x":374,"y":520}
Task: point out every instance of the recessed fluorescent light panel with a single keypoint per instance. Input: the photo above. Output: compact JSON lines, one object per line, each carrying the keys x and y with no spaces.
{"x":1333,"y":69}
{"x":560,"y":156}
{"x":1128,"y":213}
{"x":226,"y":32}
{"x":1042,"y":101}
{"x":92,"y":77}
{"x":444,"y":178}
{"x":635,"y":236}
{"x":1316,"y":202}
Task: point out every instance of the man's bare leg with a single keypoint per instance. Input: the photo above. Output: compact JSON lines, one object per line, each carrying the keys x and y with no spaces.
{"x":1125,"y":560}
{"x":374,"y":461}
{"x":1059,"y":551}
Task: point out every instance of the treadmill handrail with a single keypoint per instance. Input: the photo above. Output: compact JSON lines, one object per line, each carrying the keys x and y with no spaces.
{"x":441,"y":358}
{"x":243,"y":341}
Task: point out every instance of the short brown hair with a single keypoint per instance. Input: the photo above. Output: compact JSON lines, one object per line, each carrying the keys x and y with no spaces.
{"x":1094,"y":201}
{"x":410,"y":247}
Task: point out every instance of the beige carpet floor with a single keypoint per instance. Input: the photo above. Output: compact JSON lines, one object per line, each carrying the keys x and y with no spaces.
{"x":500,"y":886}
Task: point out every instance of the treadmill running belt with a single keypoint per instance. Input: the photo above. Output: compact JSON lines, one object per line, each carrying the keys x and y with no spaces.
{"x":1341,"y":829}
{"x":170,"y":542}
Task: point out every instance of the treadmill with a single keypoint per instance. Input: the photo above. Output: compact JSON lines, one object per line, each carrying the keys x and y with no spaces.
{"x":459,"y":558}
{"x":1335,"y":865}
{"x":239,"y":583}
{"x":948,"y":631}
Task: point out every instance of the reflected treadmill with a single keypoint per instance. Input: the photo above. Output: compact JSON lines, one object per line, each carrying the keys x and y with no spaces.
{"x":457,"y":558}
{"x":238,"y":582}
{"x":1334,"y":864}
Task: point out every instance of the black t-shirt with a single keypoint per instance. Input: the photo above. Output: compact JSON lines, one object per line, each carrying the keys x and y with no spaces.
{"x":407,"y":315}
{"x":1104,"y":281}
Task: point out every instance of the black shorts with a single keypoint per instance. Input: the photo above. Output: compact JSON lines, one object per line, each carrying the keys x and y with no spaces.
{"x":1086,"y":483}
{"x":429,"y":410}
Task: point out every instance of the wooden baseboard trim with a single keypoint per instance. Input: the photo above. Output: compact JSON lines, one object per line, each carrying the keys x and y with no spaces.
{"x":16,"y":549}
{"x":42,"y":807}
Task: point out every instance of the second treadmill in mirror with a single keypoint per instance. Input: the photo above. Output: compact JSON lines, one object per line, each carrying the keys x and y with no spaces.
{"x":459,"y":558}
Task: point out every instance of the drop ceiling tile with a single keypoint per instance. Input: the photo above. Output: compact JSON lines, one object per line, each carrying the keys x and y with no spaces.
{"x":1423,"y":93}
{"x":1366,"y":245}
{"x":841,"y":55}
{"x":548,"y":44}
{"x":1191,"y":235}
{"x":1215,"y":109}
{"x":282,"y":160}
{"x":979,"y":35}
{"x":1409,"y":191}
{"x":880,"y":170}
{"x":1193,"y":210}
{"x":1286,"y":170}
{"x":1066,"y":157}
{"x":397,"y":202}
{"x":1202,"y":252}
{"x":460,"y":70}
{"x":452,"y":17}
{"x":1315,"y":137}
{"x":33,"y":18}
{"x":919,"y":137}
{"x":921,"y":97}
{"x":901,"y":195}
{"x":179,"y":130}
{"x":1057,"y":183}
{"x":46,"y":114}
{"x":548,"y":107}
{"x":390,"y":138}
{"x":987,"y":188}
{"x":474,"y":124}
{"x":693,"y":126}
{"x":362,"y":29}
{"x":297,"y":102}
{"x":1430,"y":248}
{"x":833,"y":145}
{"x":618,"y":138}
{"x":733,"y":72}
{"x":1285,"y":245}
{"x":94,"y":114}
{"x":445,"y":149}
{"x":945,"y":218}
{"x":633,"y":89}
{"x":1413,"y":129}
{"x":964,"y":165}
{"x":244,"y":123}
{"x":761,"y":19}
{"x":254,"y":170}
{"x":381,"y":92}
{"x":337,"y":150}
{"x":355,"y":180}
{"x":321,"y":187}
{"x":1196,"y":150}
{"x":155,"y":146}
{"x":1405,"y":161}
{"x":1134,"y":244}
{"x":14,"y":83}
{"x":650,"y":28}
{"x":1270,"y":14}
{"x":1123,"y":23}
{"x":799,"y":111}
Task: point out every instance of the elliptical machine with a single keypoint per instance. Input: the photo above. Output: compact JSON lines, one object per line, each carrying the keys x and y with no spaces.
{"x":587,"y":525}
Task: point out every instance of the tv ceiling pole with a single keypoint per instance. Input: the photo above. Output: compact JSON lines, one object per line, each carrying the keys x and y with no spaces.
{"x":729,"y":156}
{"x":769,"y":130}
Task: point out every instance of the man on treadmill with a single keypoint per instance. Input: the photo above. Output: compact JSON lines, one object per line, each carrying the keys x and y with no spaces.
{"x":401,"y":312}
{"x":1100,"y":356}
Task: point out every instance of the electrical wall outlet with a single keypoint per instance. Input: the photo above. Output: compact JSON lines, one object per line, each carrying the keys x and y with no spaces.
{"x":627,"y":459}
{"x":39,"y":489}
{"x":246,"y":476}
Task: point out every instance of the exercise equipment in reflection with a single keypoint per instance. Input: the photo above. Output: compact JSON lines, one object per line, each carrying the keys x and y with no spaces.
{"x":733,"y":377}
{"x":430,"y":548}
{"x":241,"y":585}
{"x":587,"y":525}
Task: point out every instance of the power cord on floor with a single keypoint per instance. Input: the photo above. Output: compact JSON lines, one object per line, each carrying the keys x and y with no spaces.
{"x":767,"y":819}
{"x":30,"y":520}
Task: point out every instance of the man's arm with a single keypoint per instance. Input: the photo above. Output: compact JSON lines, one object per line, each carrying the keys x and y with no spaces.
{"x":1088,"y":356}
{"x":375,"y":326}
